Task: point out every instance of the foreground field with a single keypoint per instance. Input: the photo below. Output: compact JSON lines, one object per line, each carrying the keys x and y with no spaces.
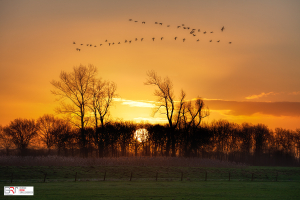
{"x":147,"y":178}
{"x":164,"y":190}
{"x":23,"y":174}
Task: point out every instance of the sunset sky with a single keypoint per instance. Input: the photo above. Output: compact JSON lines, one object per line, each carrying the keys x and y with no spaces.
{"x":254,"y":79}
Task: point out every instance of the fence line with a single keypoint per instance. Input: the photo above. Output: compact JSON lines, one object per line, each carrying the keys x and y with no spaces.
{"x":163,"y":177}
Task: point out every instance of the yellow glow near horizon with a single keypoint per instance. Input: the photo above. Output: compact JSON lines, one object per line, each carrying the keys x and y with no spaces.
{"x":261,"y":64}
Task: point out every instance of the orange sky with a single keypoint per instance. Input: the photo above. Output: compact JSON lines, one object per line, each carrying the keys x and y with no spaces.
{"x":261,"y":65}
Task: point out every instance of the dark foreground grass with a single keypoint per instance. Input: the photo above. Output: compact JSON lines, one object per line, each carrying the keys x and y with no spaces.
{"x":18,"y":174}
{"x":162,"y":190}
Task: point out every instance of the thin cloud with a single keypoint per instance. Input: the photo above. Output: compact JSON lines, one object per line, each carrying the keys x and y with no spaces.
{"x":138,"y":103}
{"x":256,"y":96}
{"x":295,"y":93}
{"x":237,"y":108}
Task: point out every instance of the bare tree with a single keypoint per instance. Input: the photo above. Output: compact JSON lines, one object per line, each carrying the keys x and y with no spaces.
{"x":191,"y":116}
{"x":166,"y":101}
{"x":193,"y":112}
{"x":5,"y":140}
{"x":21,"y":131}
{"x":76,"y":88}
{"x":103,"y":93}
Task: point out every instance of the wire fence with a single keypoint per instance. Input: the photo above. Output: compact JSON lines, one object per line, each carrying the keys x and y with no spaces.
{"x":94,"y":173}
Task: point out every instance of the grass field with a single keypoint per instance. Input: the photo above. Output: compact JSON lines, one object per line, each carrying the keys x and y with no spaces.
{"x":148,"y":178}
{"x":18,"y":174}
{"x":164,"y":190}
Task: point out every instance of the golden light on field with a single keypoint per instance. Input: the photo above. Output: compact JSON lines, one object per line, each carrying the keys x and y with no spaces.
{"x":141,"y":135}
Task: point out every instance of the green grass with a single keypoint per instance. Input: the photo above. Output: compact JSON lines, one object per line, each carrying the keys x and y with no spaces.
{"x":162,"y":190}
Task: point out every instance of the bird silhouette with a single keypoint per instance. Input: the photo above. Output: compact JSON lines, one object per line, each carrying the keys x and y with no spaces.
{"x":161,"y":38}
{"x":143,"y":22}
{"x":129,"y":41}
{"x":81,"y":44}
{"x":210,"y":40}
{"x":130,"y":19}
{"x":222,"y":29}
{"x":108,"y":44}
{"x":142,"y":39}
{"x":198,"y":30}
{"x":113,"y":43}
{"x":229,"y":42}
{"x":183,"y":39}
{"x":198,"y":40}
{"x":204,"y":32}
{"x":212,"y":32}
{"x":160,"y":23}
{"x":218,"y":41}
{"x":194,"y":35}
{"x":188,"y":27}
{"x":119,"y":43}
{"x":153,"y":39}
{"x":178,"y":26}
{"x":95,"y":46}
{"x":125,"y":41}
{"x":175,"y":38}
{"x":87,"y":44}
{"x":135,"y":21}
{"x":184,"y":27}
{"x":182,"y":24}
{"x":74,"y":43}
{"x":135,"y":39}
{"x":156,"y":23}
{"x":91,"y":45}
{"x":100,"y":45}
{"x":105,"y":40}
{"x":168,"y":26}
{"x":78,"y":49}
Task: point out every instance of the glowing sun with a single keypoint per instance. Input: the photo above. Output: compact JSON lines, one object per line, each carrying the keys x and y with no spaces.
{"x":141,"y":135}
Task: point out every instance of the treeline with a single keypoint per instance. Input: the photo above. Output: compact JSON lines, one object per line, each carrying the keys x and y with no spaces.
{"x":245,"y":143}
{"x":87,"y":129}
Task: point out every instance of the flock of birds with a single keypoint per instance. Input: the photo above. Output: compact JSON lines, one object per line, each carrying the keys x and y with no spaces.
{"x":192,"y":32}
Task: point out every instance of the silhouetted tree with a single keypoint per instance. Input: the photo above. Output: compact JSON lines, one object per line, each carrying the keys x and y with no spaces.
{"x":21,"y":131}
{"x":63,"y":134}
{"x":157,"y":136}
{"x":47,"y":125}
{"x":103,"y":93}
{"x":246,"y":136}
{"x":75,"y":87}
{"x":190,"y":118}
{"x":171,"y":108}
{"x":5,"y":140}
{"x":125,"y":131}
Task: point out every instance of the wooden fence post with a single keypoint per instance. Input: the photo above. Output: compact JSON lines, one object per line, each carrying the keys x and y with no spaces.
{"x":75,"y":176}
